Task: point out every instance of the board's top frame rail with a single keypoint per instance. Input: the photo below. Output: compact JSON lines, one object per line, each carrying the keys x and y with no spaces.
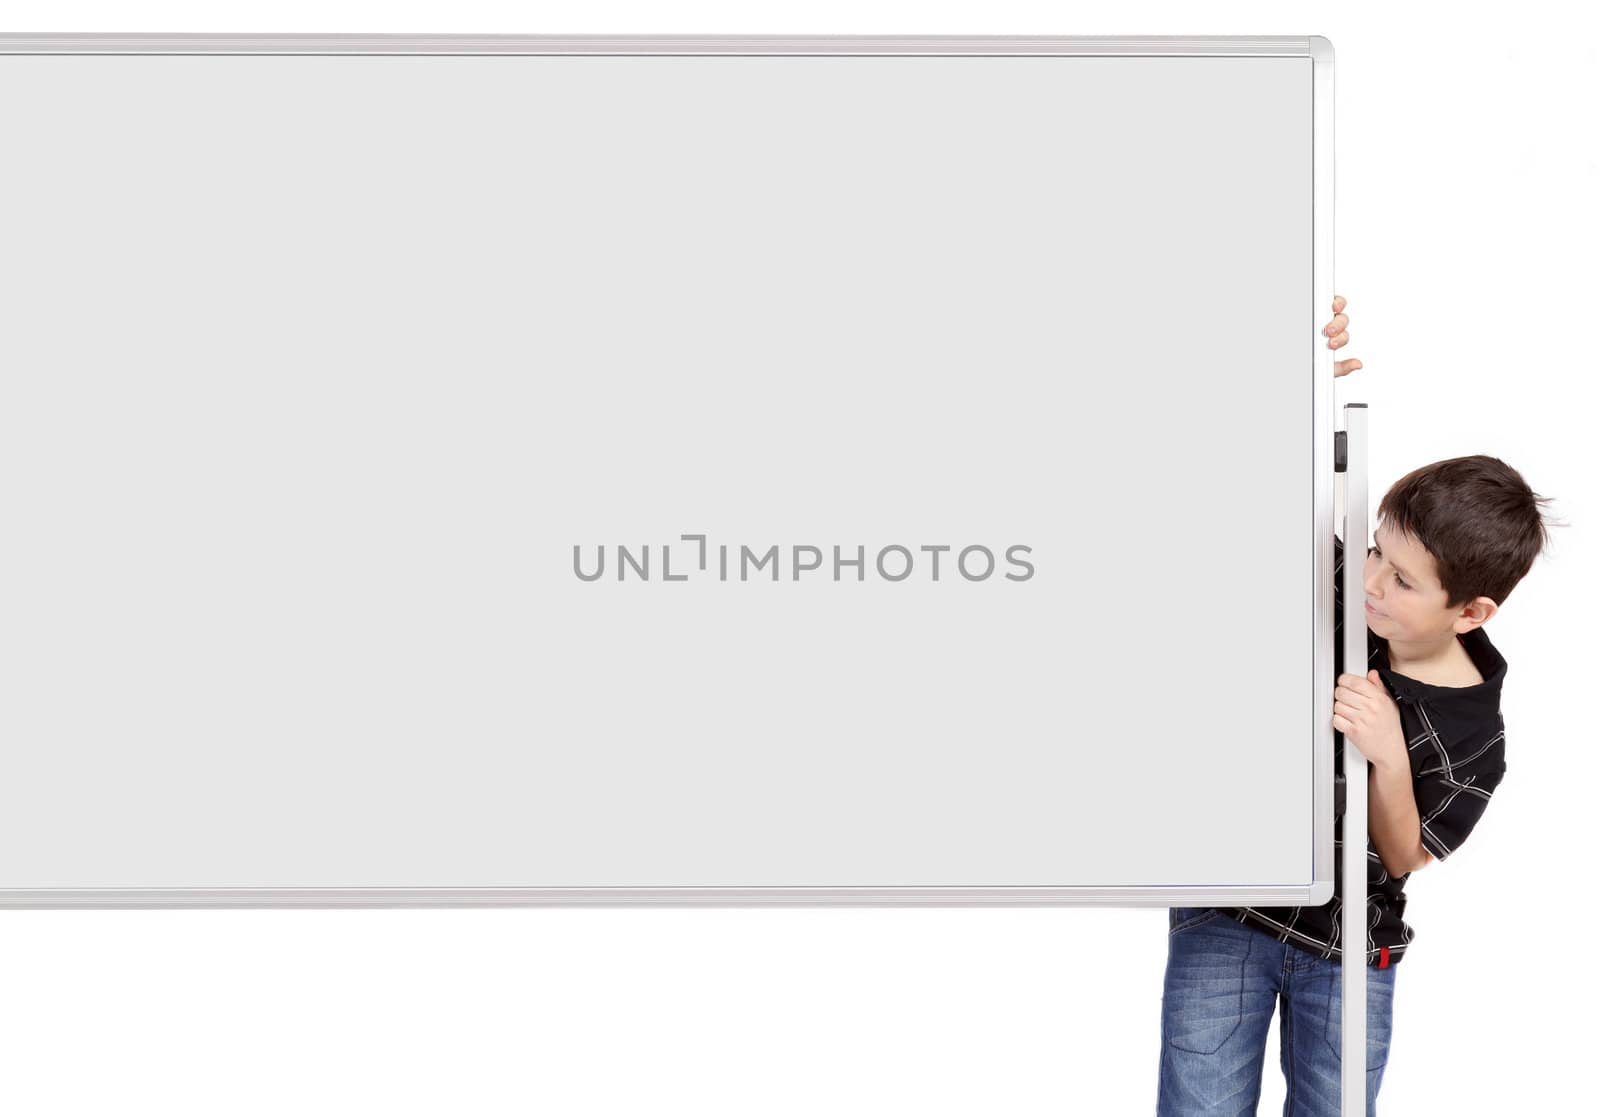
{"x":136,"y":42}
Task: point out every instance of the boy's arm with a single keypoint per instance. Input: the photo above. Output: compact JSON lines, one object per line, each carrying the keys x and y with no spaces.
{"x":1392,"y":818}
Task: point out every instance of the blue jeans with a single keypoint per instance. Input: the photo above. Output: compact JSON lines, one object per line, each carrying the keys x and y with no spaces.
{"x":1223,"y":980}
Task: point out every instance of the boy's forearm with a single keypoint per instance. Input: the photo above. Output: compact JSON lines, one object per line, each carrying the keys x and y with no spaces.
{"x":1392,"y":818}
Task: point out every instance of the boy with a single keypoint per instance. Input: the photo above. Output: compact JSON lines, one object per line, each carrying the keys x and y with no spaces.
{"x":1453,"y":538}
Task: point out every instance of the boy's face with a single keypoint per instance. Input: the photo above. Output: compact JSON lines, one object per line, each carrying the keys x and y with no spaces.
{"x":1405,"y":601}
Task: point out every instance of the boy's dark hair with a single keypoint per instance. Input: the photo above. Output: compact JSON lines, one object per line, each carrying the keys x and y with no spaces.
{"x":1477,"y":518}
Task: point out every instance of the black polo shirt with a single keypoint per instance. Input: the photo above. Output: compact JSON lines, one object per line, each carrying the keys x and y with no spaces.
{"x":1457,"y":744}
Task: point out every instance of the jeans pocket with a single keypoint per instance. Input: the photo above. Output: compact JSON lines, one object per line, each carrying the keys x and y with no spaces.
{"x":1380,"y":1016}
{"x":1181,"y":919}
{"x":1202,"y":998}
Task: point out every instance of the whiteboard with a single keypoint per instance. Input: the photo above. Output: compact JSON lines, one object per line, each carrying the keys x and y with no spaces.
{"x":533,"y":470}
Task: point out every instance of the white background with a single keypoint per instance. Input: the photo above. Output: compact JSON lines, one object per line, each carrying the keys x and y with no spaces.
{"x":1466,"y":243}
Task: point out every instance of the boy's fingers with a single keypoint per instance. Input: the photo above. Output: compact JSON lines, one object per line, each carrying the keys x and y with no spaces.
{"x":1340,"y":321}
{"x":1339,"y":342}
{"x":1338,"y":303}
{"x":1344,"y":368}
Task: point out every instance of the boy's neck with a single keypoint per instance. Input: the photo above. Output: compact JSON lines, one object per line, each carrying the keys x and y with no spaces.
{"x":1407,"y":657}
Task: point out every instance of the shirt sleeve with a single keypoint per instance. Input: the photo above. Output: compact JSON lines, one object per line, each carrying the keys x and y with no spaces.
{"x":1452,"y":794}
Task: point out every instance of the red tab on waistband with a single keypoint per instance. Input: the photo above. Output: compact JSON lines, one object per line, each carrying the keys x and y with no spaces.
{"x":1383,"y":957}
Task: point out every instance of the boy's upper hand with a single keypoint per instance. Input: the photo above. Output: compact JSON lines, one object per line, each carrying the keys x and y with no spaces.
{"x":1339,"y":336}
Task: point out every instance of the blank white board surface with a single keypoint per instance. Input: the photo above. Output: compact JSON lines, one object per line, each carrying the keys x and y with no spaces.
{"x":949,"y":416}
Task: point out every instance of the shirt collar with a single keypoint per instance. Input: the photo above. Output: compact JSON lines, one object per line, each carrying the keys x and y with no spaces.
{"x":1485,"y":657}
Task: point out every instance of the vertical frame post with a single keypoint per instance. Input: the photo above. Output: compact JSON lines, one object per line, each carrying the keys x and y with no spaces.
{"x":1353,"y":895}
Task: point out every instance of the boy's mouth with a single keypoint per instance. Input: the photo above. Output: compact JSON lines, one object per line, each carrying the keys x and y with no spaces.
{"x":1371,"y":612}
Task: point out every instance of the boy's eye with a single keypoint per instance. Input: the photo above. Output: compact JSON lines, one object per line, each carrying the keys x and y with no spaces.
{"x":1397,"y":578}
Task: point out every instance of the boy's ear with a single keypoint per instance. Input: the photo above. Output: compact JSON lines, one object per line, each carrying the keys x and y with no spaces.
{"x":1475,"y":613}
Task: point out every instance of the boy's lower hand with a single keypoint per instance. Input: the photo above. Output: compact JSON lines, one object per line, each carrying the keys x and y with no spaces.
{"x":1338,"y":333}
{"x":1370,"y":720}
